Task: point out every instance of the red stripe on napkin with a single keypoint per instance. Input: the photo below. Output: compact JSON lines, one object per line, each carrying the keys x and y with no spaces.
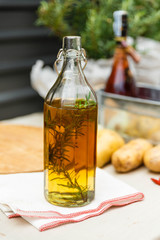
{"x":101,"y":209}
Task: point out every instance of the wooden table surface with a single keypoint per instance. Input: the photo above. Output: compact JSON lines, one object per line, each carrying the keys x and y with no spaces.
{"x":137,"y":221}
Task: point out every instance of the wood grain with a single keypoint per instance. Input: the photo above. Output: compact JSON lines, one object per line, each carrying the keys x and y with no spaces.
{"x":21,"y":149}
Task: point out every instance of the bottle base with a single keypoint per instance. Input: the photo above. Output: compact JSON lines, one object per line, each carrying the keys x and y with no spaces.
{"x":68,"y":200}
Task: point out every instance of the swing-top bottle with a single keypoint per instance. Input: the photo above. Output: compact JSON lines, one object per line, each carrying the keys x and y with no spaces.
{"x":70,"y":128}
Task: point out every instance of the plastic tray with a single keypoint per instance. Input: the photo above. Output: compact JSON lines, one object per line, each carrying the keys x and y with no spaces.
{"x":131,"y":117}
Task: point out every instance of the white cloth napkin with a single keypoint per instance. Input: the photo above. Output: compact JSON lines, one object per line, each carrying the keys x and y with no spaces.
{"x":22,"y":195}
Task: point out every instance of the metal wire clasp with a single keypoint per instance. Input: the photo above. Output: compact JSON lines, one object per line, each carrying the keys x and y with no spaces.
{"x":60,"y":54}
{"x":84,"y":57}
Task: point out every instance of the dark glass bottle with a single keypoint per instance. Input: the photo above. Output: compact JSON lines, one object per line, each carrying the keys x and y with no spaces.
{"x":121,"y":80}
{"x":70,"y":128}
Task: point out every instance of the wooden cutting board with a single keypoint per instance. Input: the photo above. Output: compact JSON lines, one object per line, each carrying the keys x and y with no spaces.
{"x":21,"y":149}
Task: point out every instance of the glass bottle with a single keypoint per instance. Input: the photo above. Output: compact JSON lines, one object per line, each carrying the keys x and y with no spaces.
{"x":70,"y":128}
{"x":121,"y":80}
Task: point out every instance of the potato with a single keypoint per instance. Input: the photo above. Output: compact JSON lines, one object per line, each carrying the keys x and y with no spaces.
{"x":152,"y":159}
{"x":130,"y":156}
{"x":108,"y":141}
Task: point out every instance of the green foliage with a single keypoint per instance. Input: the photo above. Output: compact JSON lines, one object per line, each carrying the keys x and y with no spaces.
{"x":93,"y":19}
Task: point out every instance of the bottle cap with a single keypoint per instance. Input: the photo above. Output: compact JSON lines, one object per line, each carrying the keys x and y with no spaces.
{"x":72,"y":42}
{"x":120,"y":23}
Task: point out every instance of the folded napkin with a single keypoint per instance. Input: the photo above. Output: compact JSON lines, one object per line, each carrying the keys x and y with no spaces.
{"x":22,"y":195}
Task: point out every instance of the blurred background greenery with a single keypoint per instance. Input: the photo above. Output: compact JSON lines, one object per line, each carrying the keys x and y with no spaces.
{"x":93,"y":20}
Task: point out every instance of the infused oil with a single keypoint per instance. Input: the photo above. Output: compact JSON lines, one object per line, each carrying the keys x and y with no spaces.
{"x":70,"y":151}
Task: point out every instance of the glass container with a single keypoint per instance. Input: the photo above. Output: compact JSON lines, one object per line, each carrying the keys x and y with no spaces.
{"x":121,"y":80}
{"x":70,"y":128}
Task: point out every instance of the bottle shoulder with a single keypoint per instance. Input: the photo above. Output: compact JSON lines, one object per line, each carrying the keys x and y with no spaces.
{"x":120,"y":62}
{"x":71,"y":87}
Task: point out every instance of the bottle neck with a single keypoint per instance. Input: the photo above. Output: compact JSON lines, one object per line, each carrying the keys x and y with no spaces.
{"x":120,"y":52}
{"x":72,"y":60}
{"x":120,"y":47}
